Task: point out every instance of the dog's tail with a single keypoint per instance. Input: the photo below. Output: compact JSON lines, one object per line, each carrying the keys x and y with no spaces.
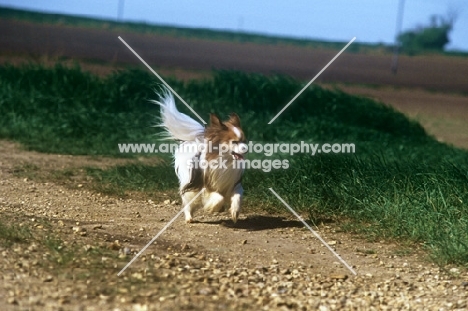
{"x":177,"y":125}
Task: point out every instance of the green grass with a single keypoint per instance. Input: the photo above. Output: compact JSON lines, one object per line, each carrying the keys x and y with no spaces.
{"x":134,"y":177}
{"x":401,"y":184}
{"x":66,"y":110}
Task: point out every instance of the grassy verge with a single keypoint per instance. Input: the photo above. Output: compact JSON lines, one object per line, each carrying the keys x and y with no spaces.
{"x":64,"y":110}
{"x":400,"y":183}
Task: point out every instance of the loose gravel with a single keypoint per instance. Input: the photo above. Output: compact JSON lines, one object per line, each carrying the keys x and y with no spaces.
{"x":82,"y":239}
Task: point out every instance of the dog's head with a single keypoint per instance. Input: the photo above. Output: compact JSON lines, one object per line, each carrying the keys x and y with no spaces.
{"x":226,"y":137}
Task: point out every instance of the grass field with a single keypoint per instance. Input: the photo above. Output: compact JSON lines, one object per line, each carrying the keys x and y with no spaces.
{"x":400,"y":183}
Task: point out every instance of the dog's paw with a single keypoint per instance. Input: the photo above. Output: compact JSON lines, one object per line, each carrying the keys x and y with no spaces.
{"x":234,"y":216}
{"x":188,"y":215}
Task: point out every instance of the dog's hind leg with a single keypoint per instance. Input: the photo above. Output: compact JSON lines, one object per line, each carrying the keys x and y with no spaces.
{"x":214,"y":202}
{"x":236,"y":201}
{"x":189,"y":209}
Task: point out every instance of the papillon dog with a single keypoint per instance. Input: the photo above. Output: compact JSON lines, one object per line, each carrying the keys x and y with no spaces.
{"x":210,"y":158}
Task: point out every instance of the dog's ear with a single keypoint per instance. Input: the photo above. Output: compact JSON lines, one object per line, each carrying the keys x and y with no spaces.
{"x":234,"y":119}
{"x":215,"y":121}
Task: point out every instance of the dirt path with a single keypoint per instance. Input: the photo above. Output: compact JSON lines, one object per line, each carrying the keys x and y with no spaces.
{"x":267,"y":262}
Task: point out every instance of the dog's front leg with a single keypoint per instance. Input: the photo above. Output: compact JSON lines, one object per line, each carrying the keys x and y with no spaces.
{"x":189,"y":208}
{"x":236,"y":201}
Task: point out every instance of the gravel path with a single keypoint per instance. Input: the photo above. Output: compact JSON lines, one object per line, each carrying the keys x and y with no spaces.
{"x":83,"y":239}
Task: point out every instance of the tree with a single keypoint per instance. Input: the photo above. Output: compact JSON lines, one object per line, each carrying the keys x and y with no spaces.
{"x":433,"y":37}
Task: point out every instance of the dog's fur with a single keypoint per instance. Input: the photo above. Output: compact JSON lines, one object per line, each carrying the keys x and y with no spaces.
{"x":222,"y":184}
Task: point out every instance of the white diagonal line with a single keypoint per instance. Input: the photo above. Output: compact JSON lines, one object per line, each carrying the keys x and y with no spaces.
{"x":311,"y":81}
{"x":159,"y":233}
{"x":162,"y":80}
{"x":313,"y":232}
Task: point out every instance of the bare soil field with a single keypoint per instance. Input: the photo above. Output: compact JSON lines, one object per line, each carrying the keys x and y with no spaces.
{"x":429,"y":72}
{"x":83,"y":238}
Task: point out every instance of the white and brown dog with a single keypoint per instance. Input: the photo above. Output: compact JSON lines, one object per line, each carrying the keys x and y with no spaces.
{"x":209,"y":158}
